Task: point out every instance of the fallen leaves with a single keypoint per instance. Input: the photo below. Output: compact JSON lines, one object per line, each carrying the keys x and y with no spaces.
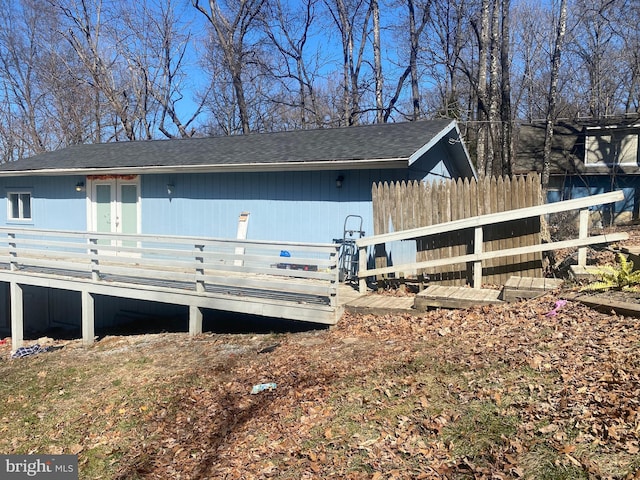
{"x":481,"y":393}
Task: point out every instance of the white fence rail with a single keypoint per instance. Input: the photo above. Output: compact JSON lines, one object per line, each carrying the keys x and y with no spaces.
{"x":478,"y":223}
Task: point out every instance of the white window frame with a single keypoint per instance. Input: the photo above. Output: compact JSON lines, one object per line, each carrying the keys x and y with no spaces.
{"x":609,"y":134}
{"x":19,"y":195}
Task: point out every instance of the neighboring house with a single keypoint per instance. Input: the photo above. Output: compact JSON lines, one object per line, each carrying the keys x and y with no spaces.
{"x":587,"y":158}
{"x":291,"y":186}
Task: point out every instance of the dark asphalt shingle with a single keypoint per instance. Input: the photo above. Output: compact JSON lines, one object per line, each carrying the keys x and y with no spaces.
{"x":367,"y":142}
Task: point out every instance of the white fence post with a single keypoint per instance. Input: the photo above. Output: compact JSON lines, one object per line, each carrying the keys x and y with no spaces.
{"x":362,"y":267}
{"x":583,"y":232}
{"x":477,"y":265}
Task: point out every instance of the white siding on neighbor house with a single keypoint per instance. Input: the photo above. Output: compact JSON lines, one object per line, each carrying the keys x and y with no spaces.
{"x":611,"y":147}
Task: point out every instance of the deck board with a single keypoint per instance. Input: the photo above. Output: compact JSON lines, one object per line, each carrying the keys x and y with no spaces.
{"x":455,"y":297}
{"x":518,"y":288}
{"x":376,"y":304}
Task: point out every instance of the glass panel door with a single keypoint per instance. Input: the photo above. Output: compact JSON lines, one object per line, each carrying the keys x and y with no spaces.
{"x":115,"y":208}
{"x":127,"y":203}
{"x":104,"y":216}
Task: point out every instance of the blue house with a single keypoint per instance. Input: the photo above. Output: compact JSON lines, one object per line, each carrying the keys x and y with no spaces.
{"x":588,"y":157}
{"x":296,"y":186}
{"x":291,"y":186}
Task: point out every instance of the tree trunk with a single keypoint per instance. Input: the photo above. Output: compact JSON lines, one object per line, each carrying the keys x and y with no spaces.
{"x":413,"y":61}
{"x":377,"y":61}
{"x":482,"y":109}
{"x":552,"y":98}
{"x":494,"y":122}
{"x":505,"y":105}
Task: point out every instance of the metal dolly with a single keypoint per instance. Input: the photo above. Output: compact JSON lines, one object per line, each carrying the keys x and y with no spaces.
{"x":348,"y":257}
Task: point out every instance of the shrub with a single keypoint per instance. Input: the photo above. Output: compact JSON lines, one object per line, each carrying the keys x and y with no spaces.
{"x":620,"y":278}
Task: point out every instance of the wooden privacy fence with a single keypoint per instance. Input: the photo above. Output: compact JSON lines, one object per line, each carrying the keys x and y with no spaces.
{"x":404,"y":206}
{"x":478,"y":225}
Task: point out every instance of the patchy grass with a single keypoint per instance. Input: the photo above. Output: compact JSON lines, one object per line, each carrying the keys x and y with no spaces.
{"x":492,"y":392}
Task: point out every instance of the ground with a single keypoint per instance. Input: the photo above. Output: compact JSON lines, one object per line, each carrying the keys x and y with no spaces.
{"x":535,"y":389}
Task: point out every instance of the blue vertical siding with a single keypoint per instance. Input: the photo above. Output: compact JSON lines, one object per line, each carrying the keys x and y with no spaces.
{"x":55,"y":204}
{"x":291,"y":206}
{"x":578,"y":187}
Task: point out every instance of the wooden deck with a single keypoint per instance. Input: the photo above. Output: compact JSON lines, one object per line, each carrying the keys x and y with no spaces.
{"x":375,"y":304}
{"x":440,"y":296}
{"x":517,"y":288}
{"x":455,"y":297}
{"x":293,"y":281}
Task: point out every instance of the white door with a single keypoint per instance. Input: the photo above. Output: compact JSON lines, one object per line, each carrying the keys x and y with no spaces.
{"x":115,"y":206}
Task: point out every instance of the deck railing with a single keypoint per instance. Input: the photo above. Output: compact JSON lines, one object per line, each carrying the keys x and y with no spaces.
{"x":194,"y":263}
{"x":478,"y":223}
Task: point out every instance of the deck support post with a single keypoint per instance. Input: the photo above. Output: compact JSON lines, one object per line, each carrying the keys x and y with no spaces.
{"x":583,"y":232}
{"x":88,"y":318}
{"x":17,"y":315}
{"x":477,"y":265}
{"x":195,"y":320}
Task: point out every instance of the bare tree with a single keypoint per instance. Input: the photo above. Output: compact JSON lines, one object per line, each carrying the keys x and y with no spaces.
{"x":85,"y":34}
{"x":232,"y":24}
{"x":289,"y":29}
{"x":494,"y":94}
{"x":155,"y":52}
{"x":530,"y":66}
{"x":377,"y":62}
{"x":418,"y":14}
{"x":596,"y":43}
{"x":449,"y":37}
{"x":19,"y":62}
{"x":351,"y":17}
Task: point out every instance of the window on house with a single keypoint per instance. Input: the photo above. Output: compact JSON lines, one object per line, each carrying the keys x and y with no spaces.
{"x":612,"y":148}
{"x":19,"y":205}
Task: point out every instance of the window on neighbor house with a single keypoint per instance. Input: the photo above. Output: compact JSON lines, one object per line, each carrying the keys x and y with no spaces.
{"x":612,"y":148}
{"x":19,"y":205}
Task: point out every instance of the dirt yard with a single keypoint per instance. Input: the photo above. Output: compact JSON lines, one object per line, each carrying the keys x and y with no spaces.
{"x":535,"y":389}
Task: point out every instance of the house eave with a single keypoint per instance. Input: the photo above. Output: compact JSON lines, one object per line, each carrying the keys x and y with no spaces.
{"x":429,"y":145}
{"x":384,"y":163}
{"x":453,"y":136}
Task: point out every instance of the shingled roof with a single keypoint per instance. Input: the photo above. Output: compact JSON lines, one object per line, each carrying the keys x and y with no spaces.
{"x":369,"y":146}
{"x":567,"y":149}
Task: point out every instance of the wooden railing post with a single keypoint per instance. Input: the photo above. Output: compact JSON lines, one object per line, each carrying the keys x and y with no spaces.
{"x":13,"y":251}
{"x":583,"y":232}
{"x":477,"y":265}
{"x":199,"y":268}
{"x":333,"y":295}
{"x":95,"y":262}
